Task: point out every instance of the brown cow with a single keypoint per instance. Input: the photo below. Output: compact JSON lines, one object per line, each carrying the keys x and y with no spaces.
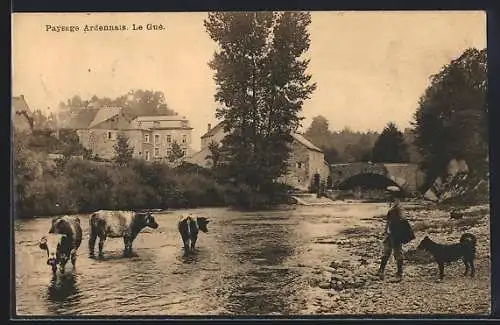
{"x":62,"y":242}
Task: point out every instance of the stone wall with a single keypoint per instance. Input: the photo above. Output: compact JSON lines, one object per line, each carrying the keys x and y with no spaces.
{"x":407,"y":176}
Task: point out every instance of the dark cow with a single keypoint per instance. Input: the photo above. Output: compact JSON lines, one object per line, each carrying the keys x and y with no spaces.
{"x":189,"y":228}
{"x":118,"y":224}
{"x":62,"y":242}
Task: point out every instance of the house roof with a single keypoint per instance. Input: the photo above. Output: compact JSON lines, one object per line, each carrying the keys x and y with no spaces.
{"x":213,"y":130}
{"x":104,"y":114}
{"x":301,"y":139}
{"x":297,"y":136}
{"x":19,"y":104}
{"x":143,"y":118}
{"x":81,"y":119}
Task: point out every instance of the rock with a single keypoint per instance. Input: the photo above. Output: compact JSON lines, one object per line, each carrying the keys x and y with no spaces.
{"x":328,"y":269}
{"x":334,"y":264}
{"x":324,"y":285}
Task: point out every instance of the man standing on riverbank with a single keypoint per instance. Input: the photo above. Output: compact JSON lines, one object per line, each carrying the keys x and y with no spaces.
{"x":397,"y":232}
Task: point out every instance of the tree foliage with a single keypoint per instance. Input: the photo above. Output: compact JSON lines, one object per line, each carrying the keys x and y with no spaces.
{"x":215,"y":154}
{"x":452,"y":118}
{"x":175,"y":153}
{"x":390,"y":146}
{"x":123,"y":150}
{"x":340,"y":147}
{"x":135,"y":102}
{"x":261,"y":85}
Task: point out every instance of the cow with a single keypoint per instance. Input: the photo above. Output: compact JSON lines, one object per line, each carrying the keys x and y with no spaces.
{"x":118,"y":224}
{"x":189,"y":228}
{"x":62,"y":242}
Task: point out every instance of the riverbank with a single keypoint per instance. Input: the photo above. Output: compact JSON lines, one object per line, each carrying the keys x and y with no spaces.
{"x":348,"y":286}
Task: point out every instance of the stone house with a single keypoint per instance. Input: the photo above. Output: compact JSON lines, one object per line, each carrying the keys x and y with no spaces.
{"x":160,"y":132}
{"x":22,"y":116}
{"x":306,"y":159}
{"x":149,"y":136}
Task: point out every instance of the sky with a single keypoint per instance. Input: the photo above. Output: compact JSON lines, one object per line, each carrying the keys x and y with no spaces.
{"x":370,"y":67}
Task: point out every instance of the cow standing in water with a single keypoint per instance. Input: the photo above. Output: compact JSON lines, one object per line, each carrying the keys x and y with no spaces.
{"x":118,"y":224}
{"x":189,"y":228}
{"x":62,"y":242}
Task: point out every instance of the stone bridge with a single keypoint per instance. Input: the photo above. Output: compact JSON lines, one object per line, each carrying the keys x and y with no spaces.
{"x":380,"y":175}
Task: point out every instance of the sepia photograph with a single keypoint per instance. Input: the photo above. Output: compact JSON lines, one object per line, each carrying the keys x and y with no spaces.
{"x":240,"y":163}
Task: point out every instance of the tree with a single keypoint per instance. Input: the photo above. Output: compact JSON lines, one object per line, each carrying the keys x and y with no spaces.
{"x":390,"y":146}
{"x":134,"y":103}
{"x":215,"y":154}
{"x":175,"y":153}
{"x":332,"y":155}
{"x":318,"y":132}
{"x":413,"y":152}
{"x":452,"y":118}
{"x":123,"y":151}
{"x":261,"y":85}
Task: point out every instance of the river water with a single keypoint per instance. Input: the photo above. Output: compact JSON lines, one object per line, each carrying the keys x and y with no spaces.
{"x":249,"y":263}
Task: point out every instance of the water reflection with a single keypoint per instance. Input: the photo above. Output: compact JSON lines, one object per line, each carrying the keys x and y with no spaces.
{"x":263,"y":280}
{"x":63,"y":292}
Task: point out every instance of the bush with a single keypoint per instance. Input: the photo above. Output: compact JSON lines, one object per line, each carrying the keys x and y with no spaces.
{"x":82,"y":186}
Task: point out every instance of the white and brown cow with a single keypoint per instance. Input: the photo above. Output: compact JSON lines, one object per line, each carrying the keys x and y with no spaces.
{"x":189,"y":228}
{"x":62,"y":242}
{"x":118,"y":224}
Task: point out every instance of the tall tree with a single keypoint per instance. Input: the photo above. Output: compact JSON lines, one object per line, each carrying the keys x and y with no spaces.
{"x":261,"y":85}
{"x":123,"y":151}
{"x":452,"y":118}
{"x":390,"y":146}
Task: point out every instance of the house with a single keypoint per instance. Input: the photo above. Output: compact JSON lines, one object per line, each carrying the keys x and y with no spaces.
{"x":162,"y":132}
{"x":305,"y":160}
{"x":151,"y":137}
{"x":22,"y":116}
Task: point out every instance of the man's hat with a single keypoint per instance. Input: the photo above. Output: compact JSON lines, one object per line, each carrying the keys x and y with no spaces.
{"x":393,"y":189}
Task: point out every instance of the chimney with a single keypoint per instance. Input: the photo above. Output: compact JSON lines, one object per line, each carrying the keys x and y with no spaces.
{"x":209,"y":126}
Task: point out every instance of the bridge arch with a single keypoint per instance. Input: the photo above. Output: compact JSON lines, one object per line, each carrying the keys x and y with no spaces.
{"x":368,"y":180}
{"x":405,"y":176}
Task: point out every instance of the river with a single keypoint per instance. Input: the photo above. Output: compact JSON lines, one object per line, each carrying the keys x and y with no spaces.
{"x":249,"y":263}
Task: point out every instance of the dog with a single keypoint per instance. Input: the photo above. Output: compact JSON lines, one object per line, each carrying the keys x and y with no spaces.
{"x":465,"y":249}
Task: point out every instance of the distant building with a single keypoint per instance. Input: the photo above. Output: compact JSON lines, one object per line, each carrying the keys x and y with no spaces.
{"x":151,"y":137}
{"x":306,"y":159}
{"x":22,"y":116}
{"x":164,"y":131}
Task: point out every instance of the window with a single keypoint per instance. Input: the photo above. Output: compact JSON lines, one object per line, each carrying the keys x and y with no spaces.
{"x":184,"y":138}
{"x":157,"y":152}
{"x":184,"y":153}
{"x":146,"y":138}
{"x":157,"y":138}
{"x":147,"y":155}
{"x":168,"y":153}
{"x":169,"y":138}
{"x":299,"y":165}
{"x":110,"y":135}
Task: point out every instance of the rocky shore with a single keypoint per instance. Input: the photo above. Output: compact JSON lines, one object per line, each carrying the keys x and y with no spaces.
{"x":349,"y":286}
